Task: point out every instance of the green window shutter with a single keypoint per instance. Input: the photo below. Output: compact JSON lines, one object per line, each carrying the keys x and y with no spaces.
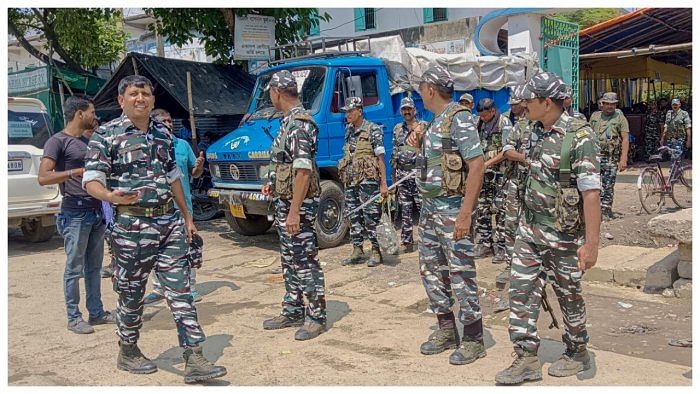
{"x":359,"y":19}
{"x":315,"y":30}
{"x":427,"y":15}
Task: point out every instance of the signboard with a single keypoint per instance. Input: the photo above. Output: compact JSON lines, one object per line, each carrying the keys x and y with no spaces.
{"x":20,"y":130}
{"x":254,"y":35}
{"x":255,"y":67}
{"x":28,"y":81}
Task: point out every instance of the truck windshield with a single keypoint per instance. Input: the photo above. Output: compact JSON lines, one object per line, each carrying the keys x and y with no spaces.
{"x":309,"y":82}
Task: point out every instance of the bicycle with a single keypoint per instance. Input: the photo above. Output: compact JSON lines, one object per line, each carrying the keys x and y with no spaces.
{"x":653,"y":186}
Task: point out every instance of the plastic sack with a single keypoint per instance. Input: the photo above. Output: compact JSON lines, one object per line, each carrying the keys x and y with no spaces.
{"x":386,"y":235}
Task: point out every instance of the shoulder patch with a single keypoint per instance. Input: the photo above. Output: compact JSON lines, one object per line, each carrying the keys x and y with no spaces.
{"x":581,"y":133}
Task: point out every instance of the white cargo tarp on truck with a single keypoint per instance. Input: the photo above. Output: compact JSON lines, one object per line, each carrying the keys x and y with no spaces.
{"x":468,"y":70}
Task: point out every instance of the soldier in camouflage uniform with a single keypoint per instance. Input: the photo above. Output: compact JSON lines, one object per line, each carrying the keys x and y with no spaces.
{"x":612,"y":131}
{"x":515,"y":148}
{"x":569,"y":107}
{"x":403,"y":161}
{"x":562,"y":188}
{"x":676,"y":130}
{"x":652,"y":130}
{"x":467,"y":100}
{"x":130,"y":162}
{"x":492,"y":126}
{"x":363,"y":173}
{"x":294,"y":185}
{"x":449,"y":173}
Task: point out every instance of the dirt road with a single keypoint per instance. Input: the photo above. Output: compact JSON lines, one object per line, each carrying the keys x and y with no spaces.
{"x":377,"y":322}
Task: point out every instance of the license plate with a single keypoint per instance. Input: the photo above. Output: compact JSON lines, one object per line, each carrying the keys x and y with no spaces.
{"x":15,"y":165}
{"x":236,"y":210}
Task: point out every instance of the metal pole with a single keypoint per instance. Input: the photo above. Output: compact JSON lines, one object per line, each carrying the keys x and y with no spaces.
{"x":60,"y":93}
{"x":191,"y":110}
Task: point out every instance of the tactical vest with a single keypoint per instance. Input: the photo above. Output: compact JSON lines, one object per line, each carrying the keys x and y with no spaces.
{"x":568,"y":201}
{"x":489,"y":147}
{"x":361,"y":164}
{"x":284,"y":173}
{"x":676,"y":126}
{"x":609,"y":139}
{"x":454,"y":170}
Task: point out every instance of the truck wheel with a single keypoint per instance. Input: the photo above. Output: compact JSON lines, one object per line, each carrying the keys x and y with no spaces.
{"x":33,"y":231}
{"x":331,"y":226}
{"x":252,"y":225}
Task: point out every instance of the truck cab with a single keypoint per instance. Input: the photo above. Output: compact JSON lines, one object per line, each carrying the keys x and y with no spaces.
{"x":238,"y":160}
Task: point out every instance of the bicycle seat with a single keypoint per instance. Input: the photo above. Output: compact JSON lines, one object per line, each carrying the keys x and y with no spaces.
{"x":654,"y":158}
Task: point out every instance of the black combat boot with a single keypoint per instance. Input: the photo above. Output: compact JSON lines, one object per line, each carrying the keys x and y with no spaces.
{"x":132,"y":360}
{"x":198,"y":368}
{"x":356,"y":257}
{"x":376,"y":258}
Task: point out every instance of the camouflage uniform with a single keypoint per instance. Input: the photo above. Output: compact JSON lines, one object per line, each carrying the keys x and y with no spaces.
{"x":361,"y":184}
{"x":446,"y":265}
{"x":295,"y":147}
{"x":403,"y":160}
{"x":675,"y":137}
{"x":654,"y":120}
{"x":491,"y":198}
{"x":516,"y":172}
{"x":540,"y":245}
{"x":121,"y":157}
{"x":608,"y":130}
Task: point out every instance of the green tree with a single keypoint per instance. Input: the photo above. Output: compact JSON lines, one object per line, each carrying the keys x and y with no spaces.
{"x":216,"y":26}
{"x":587,"y":17}
{"x":84,"y":38}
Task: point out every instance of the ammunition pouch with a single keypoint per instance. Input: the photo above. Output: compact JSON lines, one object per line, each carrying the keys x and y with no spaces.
{"x":284,"y":182}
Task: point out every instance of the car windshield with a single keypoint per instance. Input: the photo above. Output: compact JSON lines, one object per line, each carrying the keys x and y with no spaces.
{"x":309,"y":82}
{"x":27,"y":128}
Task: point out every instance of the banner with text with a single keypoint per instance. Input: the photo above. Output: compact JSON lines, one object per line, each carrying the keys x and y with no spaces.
{"x":254,"y":35}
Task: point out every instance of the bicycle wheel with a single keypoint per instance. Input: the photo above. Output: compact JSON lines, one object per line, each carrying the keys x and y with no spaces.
{"x":650,"y":188}
{"x":682,"y":188}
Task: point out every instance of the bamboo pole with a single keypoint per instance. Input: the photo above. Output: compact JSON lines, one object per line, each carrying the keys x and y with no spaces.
{"x":191,"y":110}
{"x":60,"y":93}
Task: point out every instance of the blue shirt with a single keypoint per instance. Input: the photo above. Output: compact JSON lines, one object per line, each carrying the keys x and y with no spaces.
{"x":184,"y":158}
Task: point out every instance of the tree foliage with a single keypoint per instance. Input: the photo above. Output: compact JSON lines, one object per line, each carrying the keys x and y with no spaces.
{"x":587,"y":17}
{"x":215,"y":27}
{"x":84,"y":38}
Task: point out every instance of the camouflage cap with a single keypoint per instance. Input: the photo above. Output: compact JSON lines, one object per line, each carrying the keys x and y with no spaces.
{"x":676,"y":101}
{"x":466,"y":97}
{"x":569,"y":91}
{"x":609,"y":97}
{"x":407,"y":102}
{"x":282,"y":80}
{"x":545,"y":85}
{"x":352,"y":103}
{"x":438,"y":76}
{"x":516,"y":95}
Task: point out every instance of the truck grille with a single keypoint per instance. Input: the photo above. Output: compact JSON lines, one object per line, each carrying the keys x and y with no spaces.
{"x":239,"y":172}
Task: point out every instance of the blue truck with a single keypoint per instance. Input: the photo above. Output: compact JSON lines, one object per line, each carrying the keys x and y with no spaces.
{"x":238,"y":161}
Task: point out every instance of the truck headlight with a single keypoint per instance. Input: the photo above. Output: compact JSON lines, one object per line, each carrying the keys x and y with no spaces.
{"x":215,"y":171}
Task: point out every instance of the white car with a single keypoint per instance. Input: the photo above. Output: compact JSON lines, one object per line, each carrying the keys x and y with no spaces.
{"x":31,"y":207}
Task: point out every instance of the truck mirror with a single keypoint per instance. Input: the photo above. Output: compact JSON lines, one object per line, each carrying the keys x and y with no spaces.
{"x":354,"y":86}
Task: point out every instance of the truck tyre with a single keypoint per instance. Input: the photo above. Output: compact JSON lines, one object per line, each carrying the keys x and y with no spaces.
{"x":252,"y":225}
{"x":34,"y":232}
{"x":331,"y":225}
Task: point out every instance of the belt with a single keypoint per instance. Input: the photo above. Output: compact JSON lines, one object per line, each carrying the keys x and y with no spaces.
{"x":149,"y":212}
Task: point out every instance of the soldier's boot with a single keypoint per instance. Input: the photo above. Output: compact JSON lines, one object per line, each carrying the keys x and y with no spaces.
{"x":282,"y":321}
{"x":500,"y":256}
{"x":570,"y":363}
{"x":468,"y":351}
{"x":198,"y":368}
{"x":482,"y":250}
{"x":310,"y":330}
{"x":376,"y":258}
{"x":525,"y":367}
{"x":131,"y":359}
{"x":503,"y":277}
{"x":440,"y":340}
{"x":356,"y":257}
